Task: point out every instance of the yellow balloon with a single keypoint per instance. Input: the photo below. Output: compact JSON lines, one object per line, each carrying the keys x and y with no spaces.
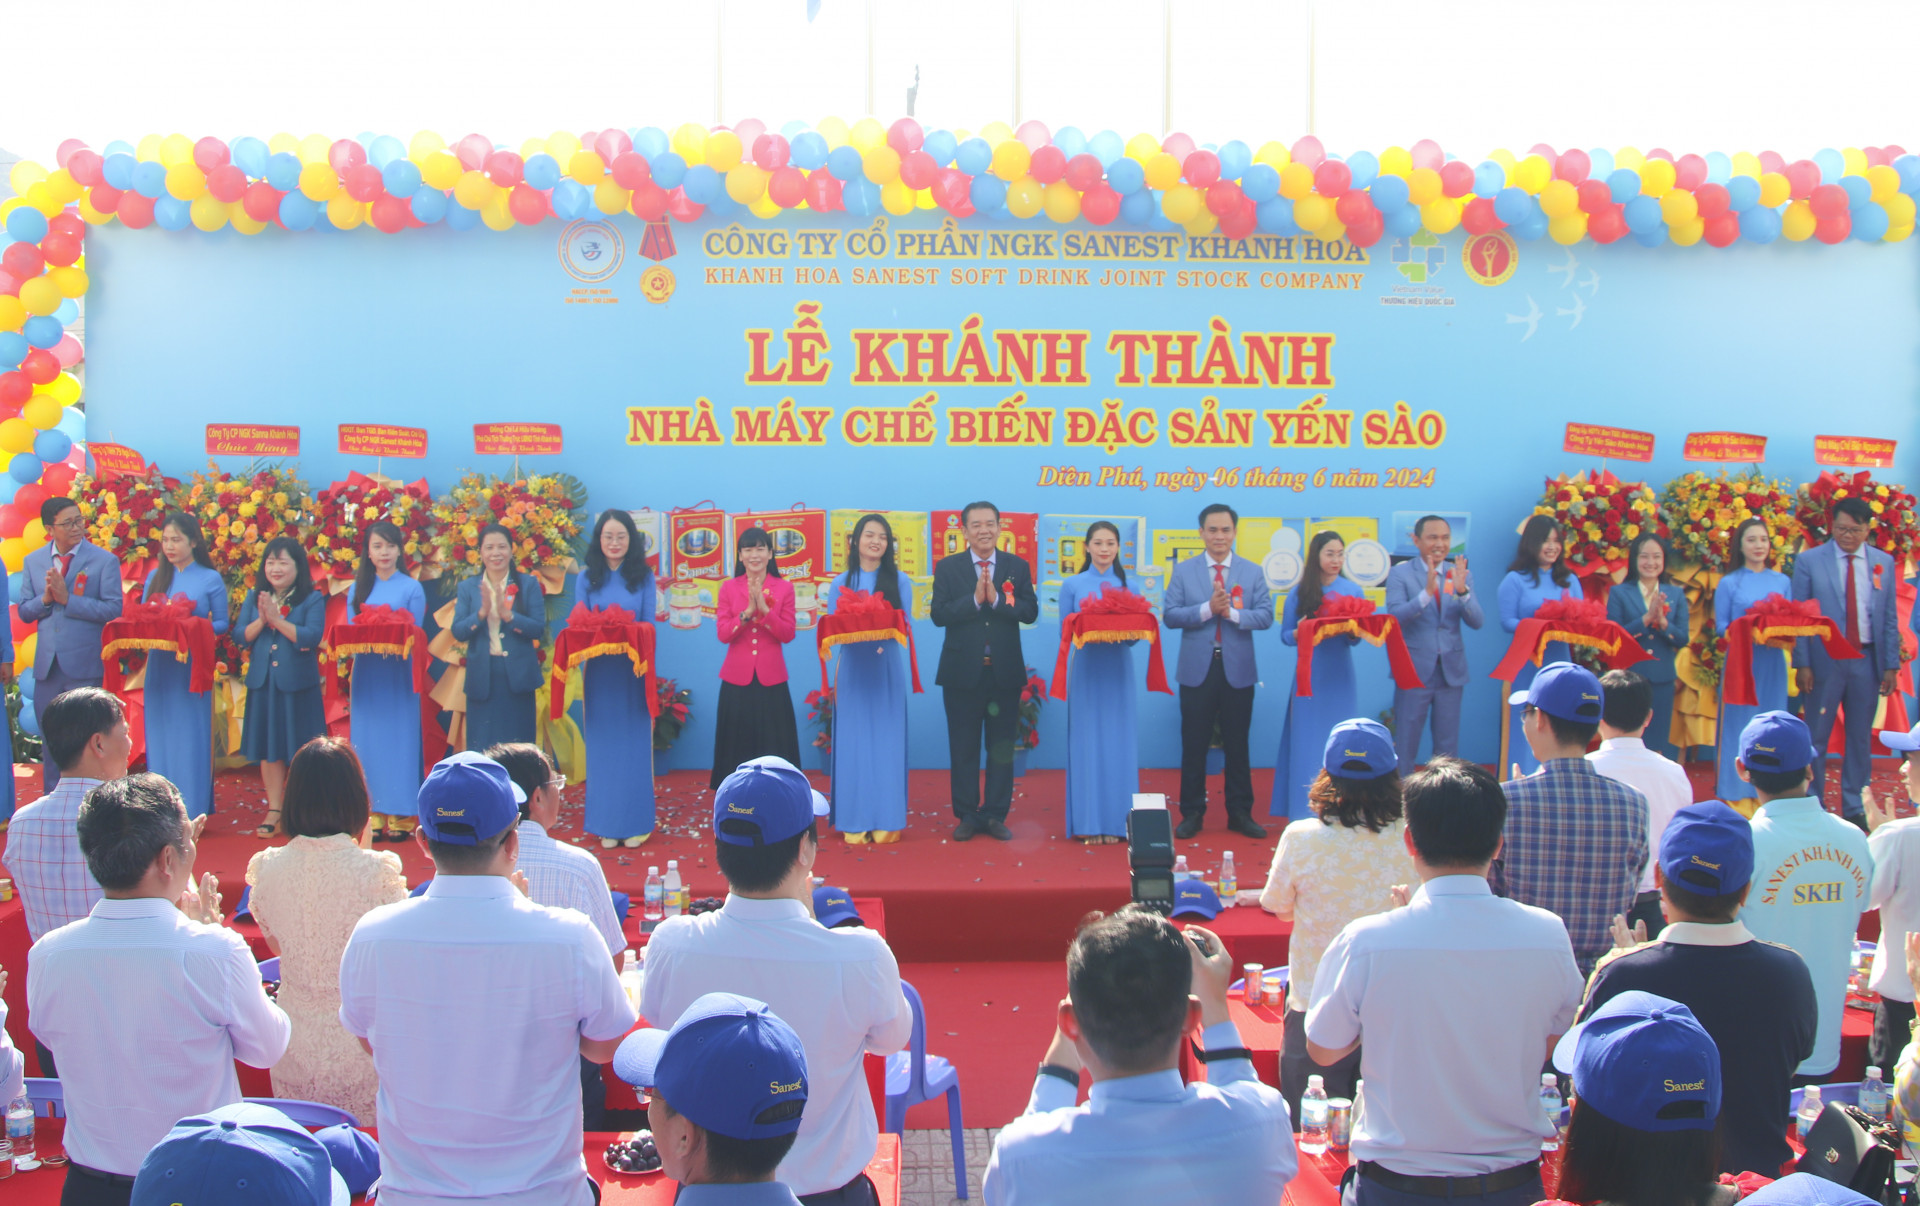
{"x":441,"y":170}
{"x":1533,"y":173}
{"x":208,"y":213}
{"x":421,"y":145}
{"x":1898,"y":234}
{"x":1181,"y":203}
{"x":1505,"y":159}
{"x":176,"y":149}
{"x":495,"y":214}
{"x":1559,"y":199}
{"x":13,"y":552}
{"x":1310,"y":212}
{"x":587,"y":168}
{"x":147,"y":150}
{"x":32,"y":641}
{"x":531,"y":147}
{"x":767,"y":207}
{"x":610,"y":198}
{"x":1423,"y":185}
{"x":1774,"y":189}
{"x":186,"y":182}
{"x":1746,"y":163}
{"x":318,"y":182}
{"x":1142,"y":147}
{"x":313,"y":148}
{"x":1687,"y":233}
{"x":1442,"y":214}
{"x":867,"y":134}
{"x":238,"y":219}
{"x":1296,"y":181}
{"x":1010,"y":160}
{"x":1274,"y":154}
{"x":1568,"y":229}
{"x":63,"y":187}
{"x":40,"y":296}
{"x":13,"y":315}
{"x":72,"y":281}
{"x":563,"y":146}
{"x":1163,"y":171}
{"x":996,"y":132}
{"x":64,"y":389}
{"x":473,"y":190}
{"x":1061,"y":202}
{"x":16,"y":435}
{"x":282,"y":143}
{"x":1679,"y":206}
{"x":689,"y":142}
{"x":747,"y":183}
{"x":897,"y":197}
{"x":1396,"y":161}
{"x":1202,"y":225}
{"x":1900,"y":210}
{"x":25,"y":175}
{"x":723,"y":150}
{"x":35,"y":533}
{"x":1884,"y":181}
{"x":833,"y":130}
{"x":1798,"y":222}
{"x":1656,"y":177}
{"x":923,"y":199}
{"x":41,"y":412}
{"x":1333,"y":230}
{"x":1023,"y":195}
{"x":1629,"y":158}
{"x":90,"y":215}
{"x":42,"y":199}
{"x":881,"y":164}
{"x":346,"y":213}
{"x":1853,"y":162}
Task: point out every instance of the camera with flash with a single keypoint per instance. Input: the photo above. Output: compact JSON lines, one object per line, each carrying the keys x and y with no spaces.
{"x":1150,"y":852}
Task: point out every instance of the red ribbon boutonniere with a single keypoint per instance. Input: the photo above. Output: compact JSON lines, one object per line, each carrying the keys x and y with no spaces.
{"x":513,"y":592}
{"x":1233,"y":598}
{"x":1876,"y":576}
{"x":80,"y":584}
{"x":1006,"y":592}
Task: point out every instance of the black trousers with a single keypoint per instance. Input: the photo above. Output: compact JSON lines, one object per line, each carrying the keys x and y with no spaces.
{"x":1200,"y":707}
{"x":1890,"y":1022}
{"x":85,"y":1189}
{"x":593,"y":1096}
{"x":987,"y":711}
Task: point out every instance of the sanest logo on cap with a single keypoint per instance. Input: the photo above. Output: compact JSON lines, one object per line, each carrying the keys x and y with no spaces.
{"x":1691,"y":1086}
{"x":745,"y":812}
{"x":449,"y":812}
{"x":775,"y":1086}
{"x":1704,"y":863}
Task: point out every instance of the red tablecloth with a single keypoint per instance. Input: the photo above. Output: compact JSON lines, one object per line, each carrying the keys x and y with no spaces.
{"x":1252,"y":935}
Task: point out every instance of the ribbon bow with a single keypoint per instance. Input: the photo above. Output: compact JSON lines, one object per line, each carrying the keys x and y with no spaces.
{"x":859,"y":616}
{"x":601,"y":632}
{"x":167,"y":625}
{"x":1577,"y":622}
{"x":1775,"y":622}
{"x":1115,"y":614}
{"x":384,"y":631}
{"x":1347,"y":615}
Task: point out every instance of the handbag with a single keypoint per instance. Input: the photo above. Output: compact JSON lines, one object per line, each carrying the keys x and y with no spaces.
{"x":1847,"y":1146}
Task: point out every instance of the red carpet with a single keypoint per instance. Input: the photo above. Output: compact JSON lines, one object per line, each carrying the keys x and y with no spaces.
{"x":993,"y":1021}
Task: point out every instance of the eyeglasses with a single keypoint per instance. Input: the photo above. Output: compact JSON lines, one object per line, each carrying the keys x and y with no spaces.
{"x":76,"y":524}
{"x":558,"y":783}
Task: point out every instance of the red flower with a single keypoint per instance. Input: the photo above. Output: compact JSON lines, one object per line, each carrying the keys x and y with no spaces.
{"x":1613,"y":533}
{"x":1563,"y":495}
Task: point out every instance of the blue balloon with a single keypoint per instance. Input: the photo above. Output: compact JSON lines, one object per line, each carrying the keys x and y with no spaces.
{"x":1389,"y":193}
{"x":117,"y":171}
{"x":1719,"y":167}
{"x":1236,"y":158}
{"x":68,"y":312}
{"x":1364,"y":166}
{"x":29,"y":723}
{"x":1402,"y":222}
{"x":1642,"y":214}
{"x":808,"y":151}
{"x":1909,"y":168}
{"x":1159,"y":220}
{"x":250,"y":156}
{"x":73,"y":421}
{"x":988,"y":193}
{"x":669,"y":170}
{"x":940,"y":146}
{"x":429,"y":205}
{"x":793,"y":129}
{"x":1488,"y":179}
{"x":383,"y":152}
{"x":1870,"y":221}
{"x":1624,"y":184}
{"x":16,"y":584}
{"x":1743,"y":193}
{"x":542,"y":171}
{"x":1136,"y":209}
{"x":1071,"y":141}
{"x":845,"y":164}
{"x":27,"y":224}
{"x":25,"y":468}
{"x":1831,"y":163}
{"x":118,"y":146}
{"x":52,"y":445}
{"x":652,"y":142}
{"x":1106,"y":146}
{"x":1532,"y":227}
{"x":323,"y":221}
{"x":283,"y":171}
{"x":171,"y":213}
{"x":150,"y":180}
{"x":1512,"y":205}
{"x":297,"y":212}
{"x":1274,"y":216}
{"x":1127,"y":177}
{"x":14,"y":347}
{"x":1859,"y":192}
{"x":702,"y":183}
{"x":1759,"y":224}
{"x":42,"y":331}
{"x":724,"y":206}
{"x":26,"y":684}
{"x":570,"y":200}
{"x":400,"y":178}
{"x":459,"y":217}
{"x":862,"y":196}
{"x":1260,"y":182}
{"x":1599,"y":163}
{"x":973,"y":156}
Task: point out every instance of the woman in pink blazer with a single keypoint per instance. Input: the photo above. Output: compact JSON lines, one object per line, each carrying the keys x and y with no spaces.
{"x":755,"y":612}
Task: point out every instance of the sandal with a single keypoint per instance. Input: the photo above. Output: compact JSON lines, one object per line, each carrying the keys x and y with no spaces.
{"x":855,"y":839}
{"x":270,"y":826}
{"x":609,"y":843}
{"x":638,"y":840}
{"x":882,"y":837}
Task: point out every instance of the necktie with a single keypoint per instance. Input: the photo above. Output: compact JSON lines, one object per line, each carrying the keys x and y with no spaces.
{"x":1853,"y":606}
{"x":63,"y":562}
{"x":1436,"y":592}
{"x":1219,"y":583}
{"x":986,"y":571}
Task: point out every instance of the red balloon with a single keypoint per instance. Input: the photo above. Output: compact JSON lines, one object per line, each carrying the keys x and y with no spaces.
{"x":1689,"y":172}
{"x":15,"y":389}
{"x":345,"y":153}
{"x":84,"y":167}
{"x":261,"y":201}
{"x":1723,"y":229}
{"x":68,"y":223}
{"x":389,"y":214}
{"x":208,"y":154}
{"x":772,"y":151}
{"x":1834,"y":229}
{"x":631,"y":170}
{"x":362,"y":182}
{"x":1573,"y":166}
{"x":1353,"y":207}
{"x":683,"y":209}
{"x":1048,"y":165}
{"x":1238,"y":223}
{"x":472,"y":151}
{"x":1366,"y":232}
{"x":104,"y":197}
{"x":1083,"y":172}
{"x":959,"y":200}
{"x":13,"y":521}
{"x":1828,"y":201}
{"x":1803,"y":176}
{"x":1772,"y":161}
{"x":611,"y":144}
{"x":823,"y":192}
{"x":60,"y":250}
{"x":56,"y":478}
{"x":1660,"y":153}
{"x":1456,"y":178}
{"x":917,"y":169}
{"x":29,"y":497}
{"x":1607,"y":225}
{"x":787,"y":187}
{"x":1201,"y":168}
{"x":134,"y":210}
{"x":1478,"y":217}
{"x":1332,"y":178}
{"x":1594,"y":196}
{"x":1223,"y":198}
{"x":505,"y":168}
{"x":23,"y":260}
{"x":905,"y":136}
{"x":951,"y":189}
{"x":1100,"y":204}
{"x":40,"y":366}
{"x":649,"y":202}
{"x":8,"y":285}
{"x":527,"y":204}
{"x":226,"y":183}
{"x":1712,"y":200}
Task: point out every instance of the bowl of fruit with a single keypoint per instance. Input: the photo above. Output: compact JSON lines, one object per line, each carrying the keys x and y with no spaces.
{"x":634,"y":1154}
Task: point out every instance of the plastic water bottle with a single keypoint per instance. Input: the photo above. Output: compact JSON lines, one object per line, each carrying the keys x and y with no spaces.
{"x":20,"y":1133}
{"x":651,"y":902}
{"x":1229,"y":880}
{"x":630,"y":976}
{"x":1873,"y":1095}
{"x":1180,"y":871}
{"x":1313,"y":1117}
{"x":1550,"y":1102}
{"x":1809,"y":1110}
{"x":672,"y":900}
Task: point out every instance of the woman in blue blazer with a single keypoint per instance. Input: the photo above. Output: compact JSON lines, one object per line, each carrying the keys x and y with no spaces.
{"x":281,"y":623}
{"x":1631,"y":605}
{"x":500,"y":614}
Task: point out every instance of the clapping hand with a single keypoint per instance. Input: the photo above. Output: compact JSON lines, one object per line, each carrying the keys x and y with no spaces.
{"x":519,"y":880}
{"x":56,"y":586}
{"x":1218,"y":603}
{"x":202,"y":902}
{"x":1627,"y":939}
{"x":1876,"y":815}
{"x":983,"y":589}
{"x":1433,"y":576}
{"x":1460,"y":584}
{"x":1402,"y":894}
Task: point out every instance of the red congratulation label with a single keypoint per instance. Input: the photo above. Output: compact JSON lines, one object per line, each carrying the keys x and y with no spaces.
{"x":1736,"y":446}
{"x":1854,"y":451}
{"x":378,"y":439}
{"x":117,"y":460}
{"x":1613,"y":443}
{"x":252,"y":439}
{"x":516,"y":439}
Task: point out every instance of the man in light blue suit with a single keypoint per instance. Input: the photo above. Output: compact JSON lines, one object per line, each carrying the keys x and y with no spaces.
{"x":1431,"y":600}
{"x":72,"y":590}
{"x":1854,"y":584}
{"x":1218,"y":601}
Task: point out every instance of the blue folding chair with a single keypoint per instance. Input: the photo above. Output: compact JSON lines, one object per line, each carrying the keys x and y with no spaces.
{"x":48,"y":1098}
{"x":269,"y":970}
{"x":308,"y":1113}
{"x":913,"y":1076}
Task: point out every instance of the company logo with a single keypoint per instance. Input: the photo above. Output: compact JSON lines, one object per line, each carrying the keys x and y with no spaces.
{"x":656,"y":283}
{"x":1585,"y":696}
{"x":449,"y":812}
{"x":1490,"y":258}
{"x":1816,"y":894}
{"x":591,"y":252}
{"x":1704,"y":863}
{"x":1419,"y":257}
{"x":1346,"y":753}
{"x":745,"y":812}
{"x":795,"y":1087}
{"x":1686,"y":1086}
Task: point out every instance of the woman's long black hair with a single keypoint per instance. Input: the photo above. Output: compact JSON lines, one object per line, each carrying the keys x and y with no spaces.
{"x":1312,"y":591}
{"x":1532,"y":538}
{"x":633,"y":567}
{"x":1737,"y":555}
{"x":302,"y":571}
{"x":188,"y":526}
{"x":1633,"y":556}
{"x":1603,"y":1160}
{"x":886,"y":579}
{"x":1086,"y":555}
{"x":754,"y":538}
{"x":364,"y":576}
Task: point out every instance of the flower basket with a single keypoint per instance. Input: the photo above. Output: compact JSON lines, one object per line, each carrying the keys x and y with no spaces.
{"x":124,"y":516}
{"x":676,"y":707}
{"x":341,"y":512}
{"x":1033,"y":697}
{"x":543,"y":511}
{"x":1895,"y":530}
{"x":1600,"y":515}
{"x":820,"y":716}
{"x":1704,"y":512}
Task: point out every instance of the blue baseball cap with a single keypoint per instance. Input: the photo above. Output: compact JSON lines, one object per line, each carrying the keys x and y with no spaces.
{"x":1906,"y":742}
{"x":355,"y":1156}
{"x":1707,"y":848}
{"x":729,"y":1064}
{"x":1777,"y":742}
{"x":1360,"y":749}
{"x":467,"y":799}
{"x":1806,"y":1189}
{"x":834,"y":906}
{"x":1195,"y":898}
{"x":764,"y":801}
{"x":239,"y":1155}
{"x":1566,"y":690}
{"x":1646,"y":1063}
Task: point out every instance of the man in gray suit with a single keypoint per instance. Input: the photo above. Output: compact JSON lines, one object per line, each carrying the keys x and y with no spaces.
{"x":1431,"y":600}
{"x":72,"y":590}
{"x":1854,"y":584}
{"x":1218,"y":601}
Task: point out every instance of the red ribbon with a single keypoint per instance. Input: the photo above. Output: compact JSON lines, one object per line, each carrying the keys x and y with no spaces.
{"x":1345,"y":615}
{"x":1776,"y":622}
{"x":167,"y":625}
{"x":385,"y":626}
{"x":601,"y":632}
{"x":1577,"y":622}
{"x":1115,"y":614}
{"x":860,"y":616}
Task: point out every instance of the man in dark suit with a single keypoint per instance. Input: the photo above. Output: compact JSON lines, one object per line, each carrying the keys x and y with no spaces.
{"x":981,"y":597}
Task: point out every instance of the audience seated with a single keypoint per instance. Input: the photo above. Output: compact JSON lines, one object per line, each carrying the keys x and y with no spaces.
{"x":1754,"y":998}
{"x":729,"y":1084}
{"x":1136,"y":987}
{"x":1895,"y":846}
{"x":1458,"y":997}
{"x":145,"y":1004}
{"x":1627,"y":710}
{"x":239,"y":1155}
{"x":307,"y":896}
{"x":475,"y":1004}
{"x":838,"y":989}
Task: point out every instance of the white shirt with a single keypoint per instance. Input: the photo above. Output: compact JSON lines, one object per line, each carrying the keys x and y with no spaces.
{"x":1655,"y":776}
{"x":1896,"y":893}
{"x":475,"y":1000}
{"x":1150,"y":1138}
{"x":1455,"y":999}
{"x":565,"y":877}
{"x":146,"y":1011}
{"x":1206,"y":605}
{"x":838,"y":989}
{"x":43,"y":856}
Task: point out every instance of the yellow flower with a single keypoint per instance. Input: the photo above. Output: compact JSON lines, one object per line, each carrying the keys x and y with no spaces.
{"x":248,"y":510}
{"x":280,"y":499}
{"x":321,"y":541}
